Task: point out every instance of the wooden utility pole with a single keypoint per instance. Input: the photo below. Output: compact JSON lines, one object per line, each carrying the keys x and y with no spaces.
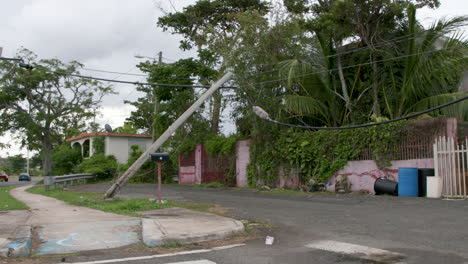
{"x":122,"y":180}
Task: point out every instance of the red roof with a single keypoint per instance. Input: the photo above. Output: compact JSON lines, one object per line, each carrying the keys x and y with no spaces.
{"x":84,"y":135}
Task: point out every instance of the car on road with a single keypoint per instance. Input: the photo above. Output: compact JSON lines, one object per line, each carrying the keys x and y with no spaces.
{"x":24,"y":177}
{"x":4,"y":177}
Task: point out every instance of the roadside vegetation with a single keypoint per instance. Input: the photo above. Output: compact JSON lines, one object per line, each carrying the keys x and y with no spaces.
{"x":122,"y":206}
{"x":7,"y":202}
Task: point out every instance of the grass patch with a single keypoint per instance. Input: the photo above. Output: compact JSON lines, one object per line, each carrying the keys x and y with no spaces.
{"x":7,"y":202}
{"x":194,"y":206}
{"x":97,"y":201}
{"x":116,"y":205}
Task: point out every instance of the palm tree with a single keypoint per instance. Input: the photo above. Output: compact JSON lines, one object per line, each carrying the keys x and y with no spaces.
{"x":430,"y":71}
{"x":315,"y":90}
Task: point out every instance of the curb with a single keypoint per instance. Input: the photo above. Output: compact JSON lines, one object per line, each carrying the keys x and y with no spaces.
{"x":20,"y":246}
{"x":154,"y":234}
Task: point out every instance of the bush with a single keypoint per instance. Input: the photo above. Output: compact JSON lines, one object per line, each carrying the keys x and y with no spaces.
{"x":104,"y":167}
{"x":65,"y":159}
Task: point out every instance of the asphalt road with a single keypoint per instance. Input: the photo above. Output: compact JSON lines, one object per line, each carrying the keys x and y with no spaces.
{"x":424,"y":230}
{"x":13,"y":181}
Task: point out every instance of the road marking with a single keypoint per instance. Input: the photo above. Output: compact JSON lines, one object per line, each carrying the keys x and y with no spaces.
{"x":161,"y":255}
{"x":368,"y":253}
{"x":203,"y":261}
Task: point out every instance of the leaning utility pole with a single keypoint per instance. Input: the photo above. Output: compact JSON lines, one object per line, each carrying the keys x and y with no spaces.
{"x":158,"y":143}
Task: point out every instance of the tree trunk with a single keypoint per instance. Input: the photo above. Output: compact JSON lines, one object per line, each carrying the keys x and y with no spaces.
{"x":344,"y":87}
{"x":216,"y":114}
{"x":47,"y":149}
{"x":375,"y":89}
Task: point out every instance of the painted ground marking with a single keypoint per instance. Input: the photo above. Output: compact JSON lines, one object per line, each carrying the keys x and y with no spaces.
{"x":163,"y":256}
{"x":363,"y":252}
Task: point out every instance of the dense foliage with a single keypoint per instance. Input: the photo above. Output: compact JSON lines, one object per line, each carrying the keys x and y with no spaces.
{"x":104,"y":167}
{"x":65,"y":159}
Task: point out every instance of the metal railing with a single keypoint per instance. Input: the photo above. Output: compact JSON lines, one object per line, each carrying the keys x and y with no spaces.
{"x":64,"y":180}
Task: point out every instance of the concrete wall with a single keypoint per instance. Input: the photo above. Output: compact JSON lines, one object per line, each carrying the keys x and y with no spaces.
{"x":187,"y":168}
{"x":242,"y":160}
{"x":362,"y":174}
{"x":117,"y":146}
{"x":287,"y":178}
{"x":120,"y":147}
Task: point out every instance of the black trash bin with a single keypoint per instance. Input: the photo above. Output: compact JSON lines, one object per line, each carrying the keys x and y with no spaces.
{"x":423,"y":173}
{"x":385,"y":186}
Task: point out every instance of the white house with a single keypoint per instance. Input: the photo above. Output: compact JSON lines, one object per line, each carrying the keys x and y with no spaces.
{"x":117,"y":144}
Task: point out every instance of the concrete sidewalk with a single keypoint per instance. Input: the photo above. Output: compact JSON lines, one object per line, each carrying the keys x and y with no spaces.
{"x":51,"y":226}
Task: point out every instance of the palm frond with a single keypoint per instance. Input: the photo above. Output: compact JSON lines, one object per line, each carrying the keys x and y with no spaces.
{"x":306,"y":106}
{"x":459,"y":110}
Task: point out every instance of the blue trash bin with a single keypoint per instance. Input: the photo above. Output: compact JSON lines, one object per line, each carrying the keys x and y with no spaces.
{"x":408,"y":182}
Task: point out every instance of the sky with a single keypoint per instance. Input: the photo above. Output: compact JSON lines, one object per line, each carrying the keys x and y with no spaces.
{"x":106,"y":34}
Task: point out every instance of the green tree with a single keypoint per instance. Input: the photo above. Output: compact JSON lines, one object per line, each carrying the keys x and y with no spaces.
{"x":45,"y":105}
{"x":211,"y":27}
{"x":431,"y":71}
{"x":127,"y":128}
{"x":161,"y":106}
{"x":376,"y":31}
{"x":363,"y":23}
{"x":15,"y":164}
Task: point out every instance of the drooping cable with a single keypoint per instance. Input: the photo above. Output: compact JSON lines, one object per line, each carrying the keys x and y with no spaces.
{"x":265,"y":116}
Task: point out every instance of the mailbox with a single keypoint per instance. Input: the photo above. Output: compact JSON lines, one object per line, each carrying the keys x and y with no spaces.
{"x":159,"y":156}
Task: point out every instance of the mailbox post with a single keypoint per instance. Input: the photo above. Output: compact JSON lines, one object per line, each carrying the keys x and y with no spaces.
{"x":159,"y":157}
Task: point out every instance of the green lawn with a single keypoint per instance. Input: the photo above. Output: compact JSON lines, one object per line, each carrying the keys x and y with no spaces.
{"x":116,"y":205}
{"x":7,"y":202}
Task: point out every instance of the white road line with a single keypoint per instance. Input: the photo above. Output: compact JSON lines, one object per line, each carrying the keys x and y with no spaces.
{"x":160,"y":256}
{"x":203,"y":261}
{"x":363,"y":252}
{"x":228,"y":247}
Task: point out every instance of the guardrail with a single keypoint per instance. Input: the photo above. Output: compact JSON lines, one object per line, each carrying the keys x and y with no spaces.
{"x":72,"y":179}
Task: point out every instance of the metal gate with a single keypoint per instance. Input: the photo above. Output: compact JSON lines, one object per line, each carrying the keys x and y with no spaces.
{"x":451,"y":164}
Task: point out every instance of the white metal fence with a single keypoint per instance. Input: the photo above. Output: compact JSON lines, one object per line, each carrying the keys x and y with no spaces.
{"x":451,"y":164}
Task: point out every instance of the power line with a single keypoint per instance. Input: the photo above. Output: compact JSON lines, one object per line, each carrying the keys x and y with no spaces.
{"x":355,"y":65}
{"x":264,"y":115}
{"x":383,"y":43}
{"x":127,"y":82}
{"x":10,"y":59}
{"x":137,"y":74}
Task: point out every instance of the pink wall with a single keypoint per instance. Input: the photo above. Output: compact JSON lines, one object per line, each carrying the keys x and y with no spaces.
{"x":187,"y":175}
{"x":452,"y":127}
{"x":287,"y":179}
{"x":362,"y":174}
{"x":198,"y":164}
{"x":242,"y":160}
